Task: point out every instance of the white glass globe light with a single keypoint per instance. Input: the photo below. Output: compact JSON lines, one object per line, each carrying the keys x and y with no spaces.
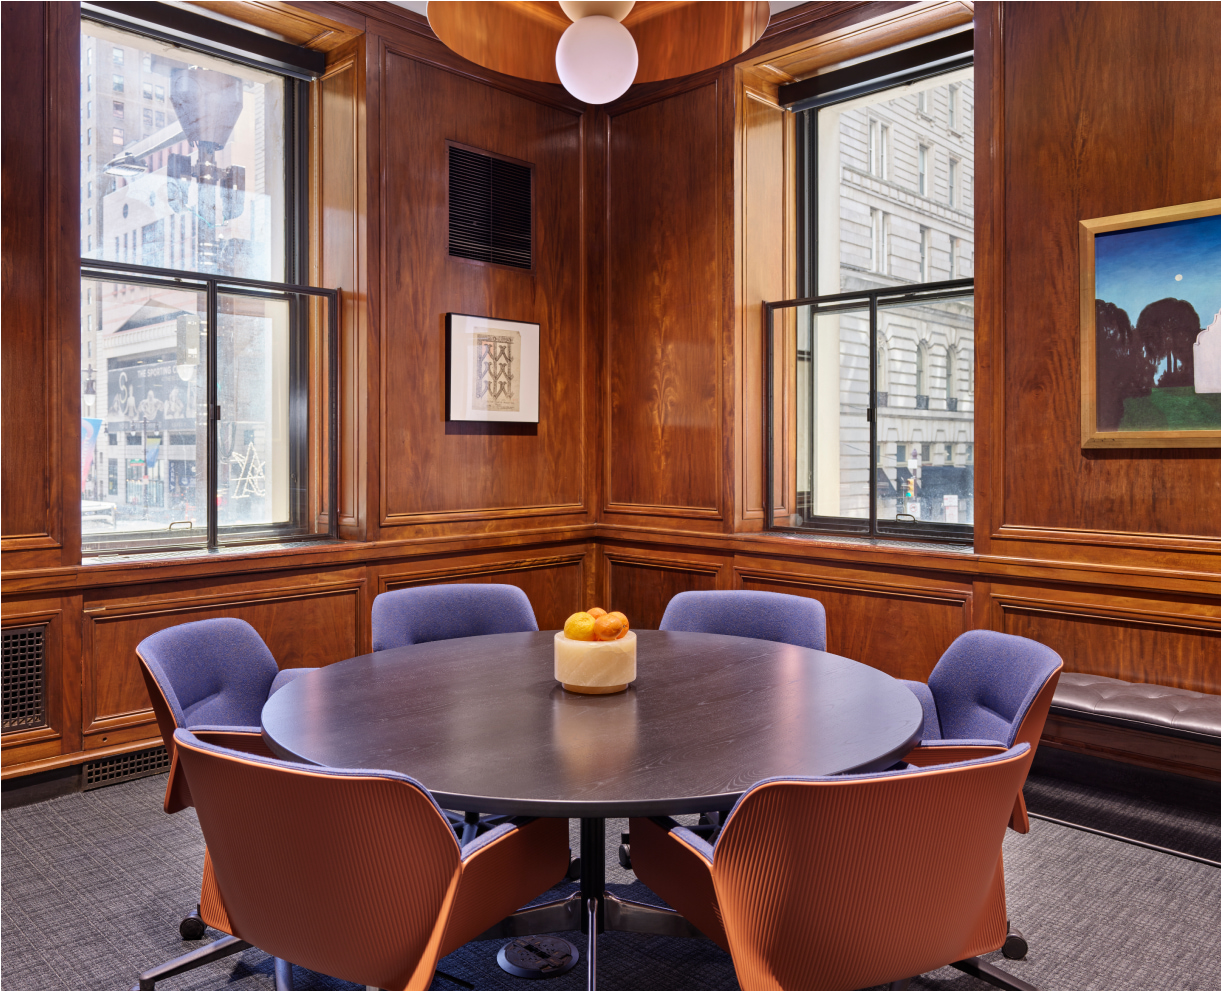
{"x":596,"y":59}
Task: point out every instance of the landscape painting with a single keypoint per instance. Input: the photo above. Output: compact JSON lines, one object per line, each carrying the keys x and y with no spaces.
{"x":1151,"y":328}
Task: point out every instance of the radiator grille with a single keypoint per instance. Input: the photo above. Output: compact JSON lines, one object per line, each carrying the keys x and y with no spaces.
{"x":24,"y":678}
{"x":490,"y":214}
{"x":125,"y":767}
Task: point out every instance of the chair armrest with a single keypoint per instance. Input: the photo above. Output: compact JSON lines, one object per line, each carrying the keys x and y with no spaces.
{"x":247,"y":739}
{"x":933,"y":752}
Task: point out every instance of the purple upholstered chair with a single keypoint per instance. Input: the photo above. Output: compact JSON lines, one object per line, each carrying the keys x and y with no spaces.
{"x":762,"y":615}
{"x":445,"y":612}
{"x":212,"y":676}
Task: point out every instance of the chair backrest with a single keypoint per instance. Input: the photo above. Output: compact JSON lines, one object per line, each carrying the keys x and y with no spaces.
{"x":215,"y":672}
{"x":902,"y":875}
{"x":775,"y":616}
{"x":443,"y":612}
{"x":986,"y":684}
{"x":347,"y":873}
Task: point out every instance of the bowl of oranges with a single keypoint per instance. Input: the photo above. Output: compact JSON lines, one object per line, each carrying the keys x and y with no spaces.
{"x":595,"y":653}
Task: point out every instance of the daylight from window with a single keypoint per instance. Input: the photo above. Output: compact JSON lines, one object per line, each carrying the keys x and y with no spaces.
{"x":895,"y":208}
{"x":182,"y":167}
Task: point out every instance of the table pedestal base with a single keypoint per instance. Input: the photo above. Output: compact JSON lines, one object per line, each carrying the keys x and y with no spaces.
{"x":593,"y":909}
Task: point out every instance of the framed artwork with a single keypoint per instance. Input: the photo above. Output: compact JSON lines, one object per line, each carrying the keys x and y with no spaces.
{"x":492,"y":369}
{"x":1151,"y":328}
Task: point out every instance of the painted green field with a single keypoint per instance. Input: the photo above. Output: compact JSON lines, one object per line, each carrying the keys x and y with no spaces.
{"x":1177,"y":408}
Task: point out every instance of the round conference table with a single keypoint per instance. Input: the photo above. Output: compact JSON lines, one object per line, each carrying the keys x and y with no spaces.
{"x":483,"y":725}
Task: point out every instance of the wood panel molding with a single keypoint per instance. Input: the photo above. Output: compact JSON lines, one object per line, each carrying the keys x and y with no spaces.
{"x":297,"y":24}
{"x":1155,"y":542}
{"x":115,"y":708}
{"x":1208,"y":622}
{"x":434,"y":576}
{"x":641,"y":585}
{"x":891,"y":590}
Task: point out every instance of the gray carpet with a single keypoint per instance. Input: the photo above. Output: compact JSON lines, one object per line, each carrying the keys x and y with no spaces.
{"x":94,"y":885}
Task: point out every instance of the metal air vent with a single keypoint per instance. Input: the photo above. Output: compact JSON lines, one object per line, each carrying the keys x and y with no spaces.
{"x":24,"y":678}
{"x":490,"y":209}
{"x":125,"y":767}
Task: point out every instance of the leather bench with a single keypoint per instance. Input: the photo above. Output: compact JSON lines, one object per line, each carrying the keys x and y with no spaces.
{"x":1150,"y":708}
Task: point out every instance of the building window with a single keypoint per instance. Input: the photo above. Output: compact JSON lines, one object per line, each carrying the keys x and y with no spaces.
{"x":952,"y":108}
{"x":878,"y":441}
{"x":89,"y":83}
{"x":116,"y":83}
{"x":879,"y":139}
{"x":201,"y":382}
{"x":953,"y":190}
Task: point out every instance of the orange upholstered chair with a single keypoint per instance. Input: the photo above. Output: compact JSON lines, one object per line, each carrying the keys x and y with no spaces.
{"x":838,"y":883}
{"x":355,"y":874}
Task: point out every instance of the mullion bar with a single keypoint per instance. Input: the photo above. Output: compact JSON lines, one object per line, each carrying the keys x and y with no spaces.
{"x":213,"y":416}
{"x":106,"y":269}
{"x":915,"y":292}
{"x":872,"y":416}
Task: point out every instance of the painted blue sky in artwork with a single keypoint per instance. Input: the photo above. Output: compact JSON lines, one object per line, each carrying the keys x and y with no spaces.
{"x":1134,"y":268}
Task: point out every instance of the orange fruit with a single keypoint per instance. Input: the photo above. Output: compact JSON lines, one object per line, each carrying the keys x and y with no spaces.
{"x":596,"y":612}
{"x":623,"y":632}
{"x":608,"y":627}
{"x":579,"y":626}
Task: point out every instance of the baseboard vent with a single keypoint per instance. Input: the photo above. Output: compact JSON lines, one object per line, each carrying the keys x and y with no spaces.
{"x":24,"y":678}
{"x":125,"y":767}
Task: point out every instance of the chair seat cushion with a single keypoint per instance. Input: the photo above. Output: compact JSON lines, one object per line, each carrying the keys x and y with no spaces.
{"x":286,"y":676}
{"x":1158,"y":705}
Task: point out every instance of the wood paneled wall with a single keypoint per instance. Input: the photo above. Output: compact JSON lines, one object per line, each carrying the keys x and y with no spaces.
{"x":662,"y":223}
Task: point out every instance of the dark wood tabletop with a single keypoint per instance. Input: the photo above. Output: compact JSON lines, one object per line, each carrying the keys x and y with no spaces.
{"x":484,"y":726}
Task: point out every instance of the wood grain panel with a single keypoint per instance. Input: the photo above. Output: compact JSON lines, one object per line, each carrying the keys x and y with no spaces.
{"x":640,"y":587}
{"x":1108,"y":109}
{"x":898,"y":628}
{"x":306,"y":623}
{"x":663,"y":442}
{"x":1156,"y":750}
{"x":1150,"y":643}
{"x":556,"y":585}
{"x":338,"y":257}
{"x":431,"y":473}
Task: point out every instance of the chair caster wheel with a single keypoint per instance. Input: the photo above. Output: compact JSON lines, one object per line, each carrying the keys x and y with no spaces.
{"x":192,"y":927}
{"x":1015,"y":946}
{"x":625,"y":857}
{"x":574,"y":869}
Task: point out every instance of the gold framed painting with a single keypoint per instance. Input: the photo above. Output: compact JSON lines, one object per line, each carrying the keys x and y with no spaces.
{"x":1151,"y":328}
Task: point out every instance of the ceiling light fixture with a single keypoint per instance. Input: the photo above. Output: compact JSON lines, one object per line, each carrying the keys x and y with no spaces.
{"x":608,"y":45}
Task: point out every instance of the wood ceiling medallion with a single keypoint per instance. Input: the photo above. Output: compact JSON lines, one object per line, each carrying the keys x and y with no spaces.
{"x":674,"y":37}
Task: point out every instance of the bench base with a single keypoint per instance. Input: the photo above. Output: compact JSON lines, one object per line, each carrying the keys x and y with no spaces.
{"x":1153,"y":750}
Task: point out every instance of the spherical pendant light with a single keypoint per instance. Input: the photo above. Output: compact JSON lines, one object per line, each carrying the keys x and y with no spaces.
{"x":596,"y":59}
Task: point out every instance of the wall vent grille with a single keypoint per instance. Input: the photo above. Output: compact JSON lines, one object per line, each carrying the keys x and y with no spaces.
{"x":490,"y":209}
{"x":24,"y":678}
{"x":125,"y":767}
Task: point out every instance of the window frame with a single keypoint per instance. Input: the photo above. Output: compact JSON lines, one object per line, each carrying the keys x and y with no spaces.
{"x":807,"y":170}
{"x":294,"y":289}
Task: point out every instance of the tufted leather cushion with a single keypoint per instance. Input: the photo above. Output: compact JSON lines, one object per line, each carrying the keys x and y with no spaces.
{"x":1174,"y":709}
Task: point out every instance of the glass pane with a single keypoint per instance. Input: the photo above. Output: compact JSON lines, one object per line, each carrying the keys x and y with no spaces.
{"x":143,"y":416}
{"x":895,"y":186}
{"x":260,"y":435}
{"x":925,"y":457}
{"x":182,"y":158}
{"x":831,"y":382}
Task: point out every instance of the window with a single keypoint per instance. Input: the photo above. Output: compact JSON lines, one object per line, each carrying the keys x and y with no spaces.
{"x":922,"y":102}
{"x":89,"y":109}
{"x":89,"y":135}
{"x":89,"y":56}
{"x":116,"y":83}
{"x":879,"y":136}
{"x":953,"y":190}
{"x":952,"y":108}
{"x":89,"y":83}
{"x":209,"y":343}
{"x":880,"y":438}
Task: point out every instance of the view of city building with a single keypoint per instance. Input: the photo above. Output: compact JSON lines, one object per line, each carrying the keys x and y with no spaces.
{"x":895,"y":207}
{"x":182,"y":168}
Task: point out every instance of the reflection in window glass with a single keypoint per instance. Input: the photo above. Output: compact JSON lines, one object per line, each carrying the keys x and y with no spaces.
{"x":924,"y":438}
{"x":215,"y":158}
{"x":144,"y":415}
{"x":254,"y":369}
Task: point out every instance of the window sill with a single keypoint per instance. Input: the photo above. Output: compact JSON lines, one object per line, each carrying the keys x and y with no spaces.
{"x":879,"y":543}
{"x":205,"y":554}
